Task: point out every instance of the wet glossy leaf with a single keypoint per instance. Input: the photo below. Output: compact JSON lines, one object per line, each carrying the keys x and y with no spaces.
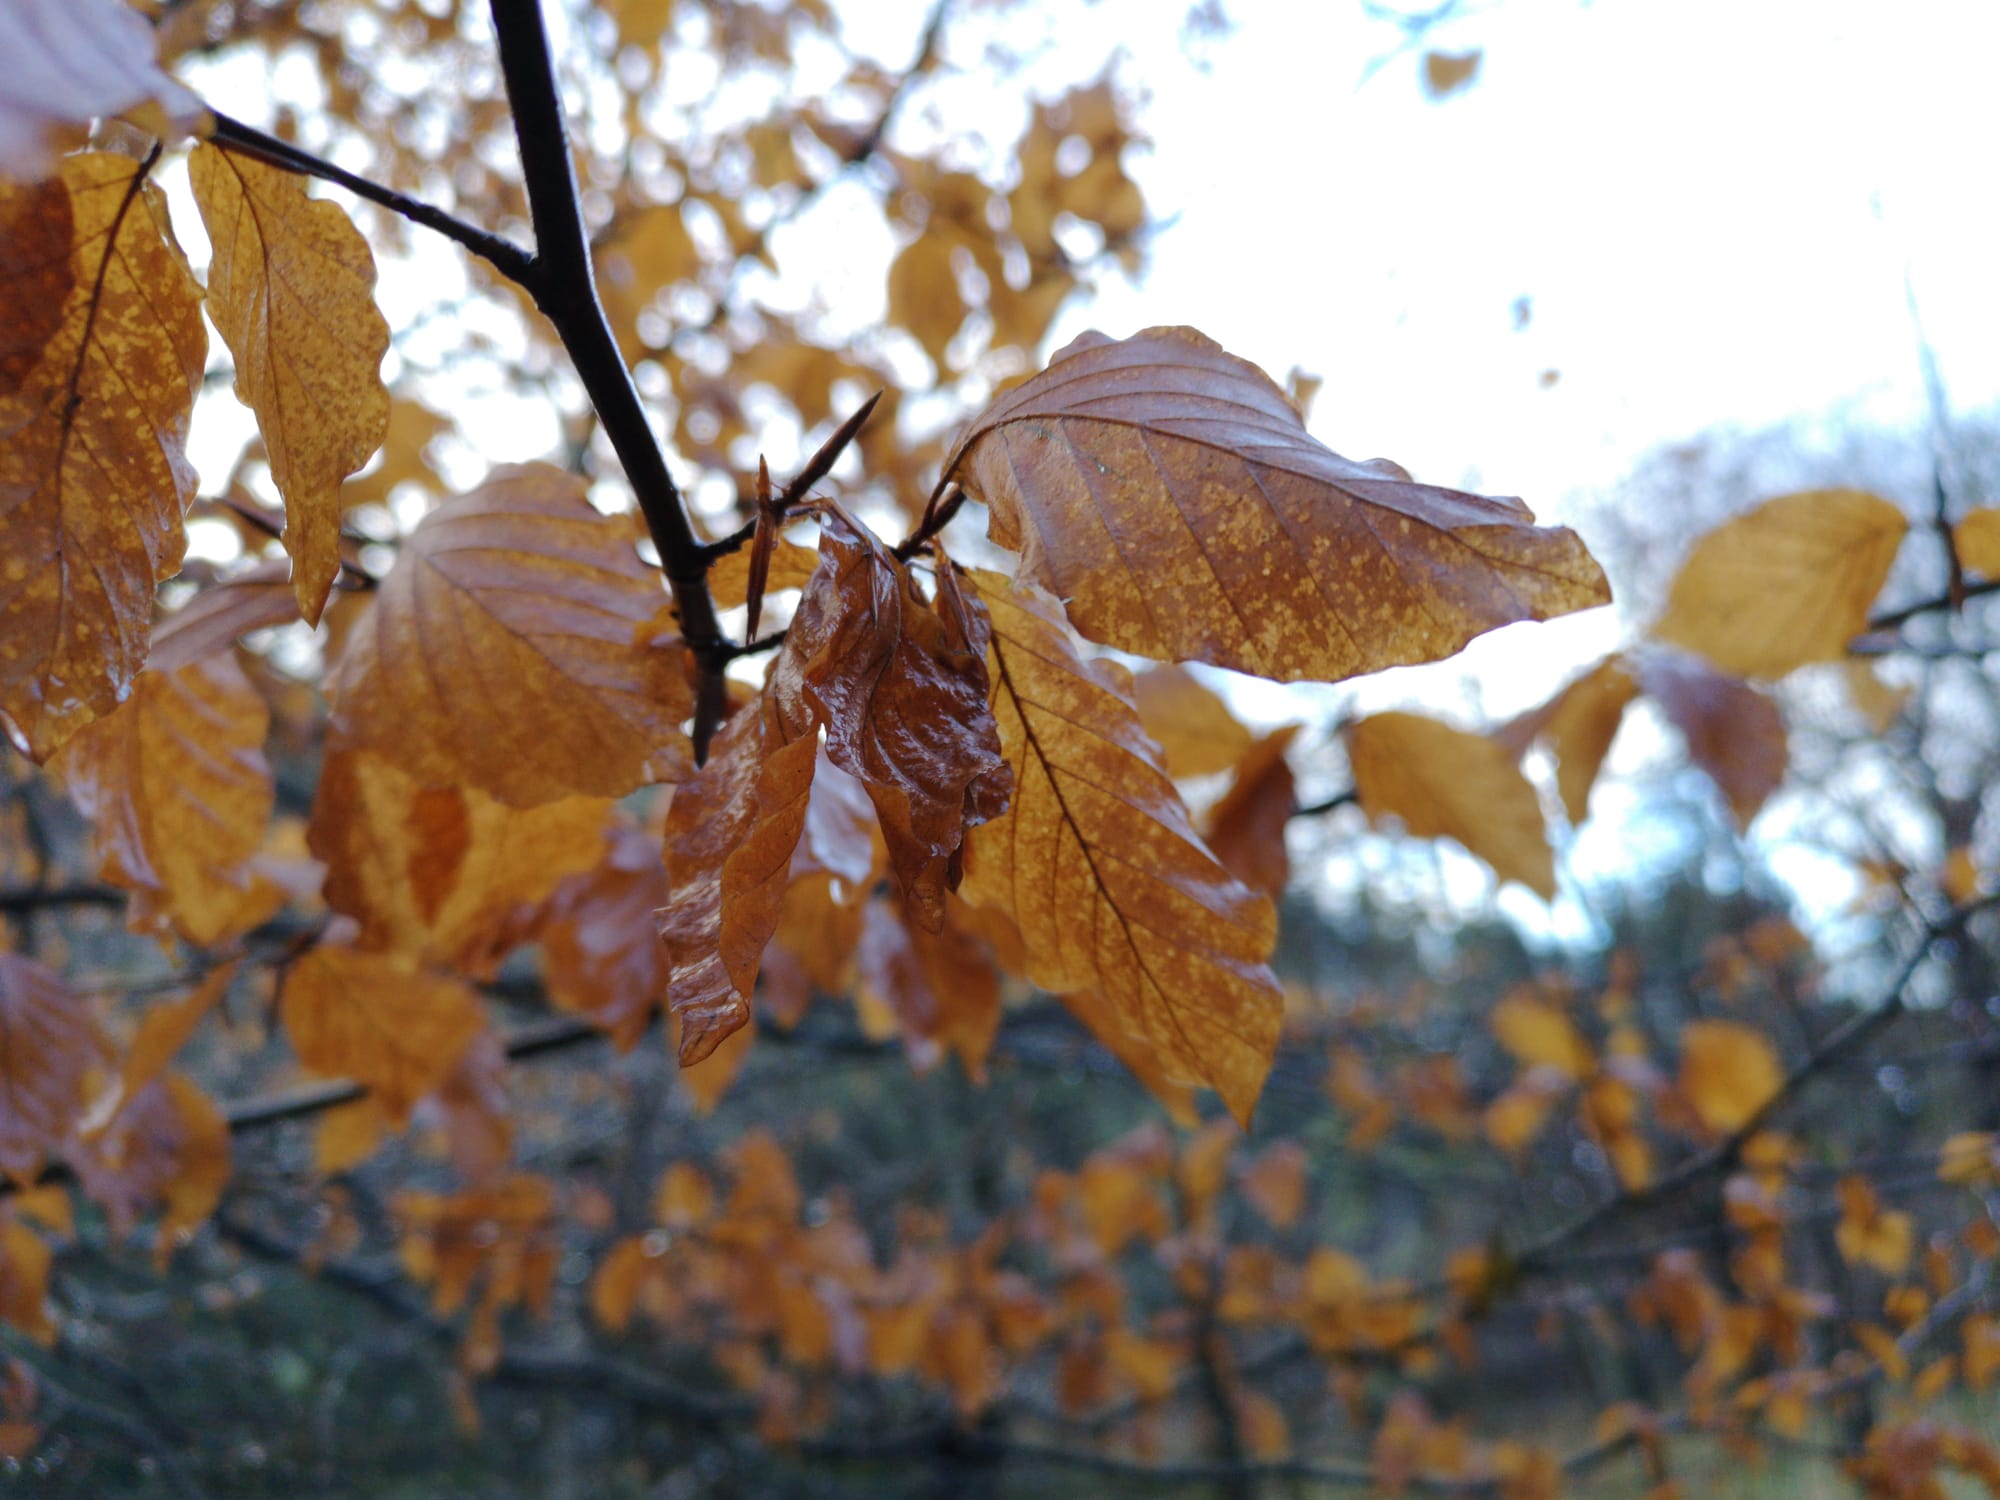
{"x":1441,"y":782}
{"x":48,"y":1044}
{"x":93,"y":459}
{"x":1788,"y":583}
{"x":1169,"y":494}
{"x":518,"y":646}
{"x":291,"y":287}
{"x":1098,"y":865}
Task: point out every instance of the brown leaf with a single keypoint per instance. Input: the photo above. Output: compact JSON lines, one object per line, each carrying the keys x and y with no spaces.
{"x":1446,"y":73}
{"x":169,"y":1145}
{"x":1733,"y":732}
{"x":220,"y":615}
{"x":1246,"y":829}
{"x":1169,"y":493}
{"x":92,"y":461}
{"x":369,"y":1017}
{"x":179,"y":794}
{"x":48,"y":1043}
{"x":36,"y":276}
{"x":601,"y":950}
{"x":901,"y":690}
{"x":731,"y":833}
{"x":443,"y":873}
{"x":1442,"y":782}
{"x":516,"y":647}
{"x":1192,"y":726}
{"x":1275,"y":1183}
{"x":1728,"y":1073}
{"x":291,"y":287}
{"x":1788,"y":583}
{"x":478,"y":1124}
{"x":1578,"y":725}
{"x":942,"y":986}
{"x":1099,"y":867}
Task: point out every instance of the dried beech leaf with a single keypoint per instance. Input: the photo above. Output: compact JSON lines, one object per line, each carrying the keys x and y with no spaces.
{"x":1788,"y":583}
{"x":93,"y":465}
{"x":1246,"y":829}
{"x":1977,"y":537}
{"x":369,"y":1017}
{"x":1733,"y":732}
{"x":167,"y":1028}
{"x":924,"y":295}
{"x":168,"y":1145}
{"x":942,"y":986}
{"x":1728,"y":1072}
{"x":601,"y":952}
{"x":513,"y":647}
{"x":179,"y":793}
{"x":69,"y":61}
{"x":291,"y":287}
{"x":1441,"y":782}
{"x":36,"y":276}
{"x":48,"y":1043}
{"x":1192,"y":726}
{"x":442,"y":873}
{"x":220,"y":615}
{"x":791,"y":565}
{"x":1098,"y":865}
{"x":1169,"y":494}
{"x":1578,"y":725}
{"x":901,"y":690}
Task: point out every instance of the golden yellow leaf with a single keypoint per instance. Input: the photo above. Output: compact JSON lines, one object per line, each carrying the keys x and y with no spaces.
{"x":179,"y":793}
{"x":368,"y":1017}
{"x":167,"y":1028}
{"x":1977,"y":537}
{"x":791,"y":566}
{"x":518,"y":646}
{"x":1169,"y":494}
{"x":25,"y":1259}
{"x":1728,"y":1073}
{"x":1869,"y":1234}
{"x":924,"y":295}
{"x":93,"y":457}
{"x":1578,"y":725}
{"x":1788,"y":583}
{"x":443,"y":873}
{"x":348,"y":1135}
{"x":291,"y":288}
{"x":1100,"y":869}
{"x":1442,"y":782}
{"x":1539,"y":1034}
{"x":1192,"y":726}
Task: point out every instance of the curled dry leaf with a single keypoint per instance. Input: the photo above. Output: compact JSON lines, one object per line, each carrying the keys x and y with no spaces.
{"x":444,"y":874}
{"x":291,"y":288}
{"x":517,"y":646}
{"x":68,"y":62}
{"x":901,"y":689}
{"x":1098,"y":865}
{"x":1169,"y":494}
{"x":179,"y":794}
{"x":1192,"y":726}
{"x":1441,"y":782}
{"x":373,"y":1018}
{"x":48,"y":1044}
{"x":1733,"y":732}
{"x":1788,"y":583}
{"x":94,"y":460}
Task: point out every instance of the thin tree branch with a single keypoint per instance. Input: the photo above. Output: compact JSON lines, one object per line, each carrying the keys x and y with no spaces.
{"x":565,"y":289}
{"x":506,"y":257}
{"x":39,"y":898}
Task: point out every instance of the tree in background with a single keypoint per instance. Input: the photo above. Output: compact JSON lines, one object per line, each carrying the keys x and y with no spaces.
{"x":414,"y":789}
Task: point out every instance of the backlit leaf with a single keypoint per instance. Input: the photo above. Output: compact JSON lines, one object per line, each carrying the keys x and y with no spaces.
{"x":1169,"y":494}
{"x":93,"y":473}
{"x":1733,"y":731}
{"x":924,"y":295}
{"x":901,"y":689}
{"x":291,"y":287}
{"x":442,"y":873}
{"x":517,"y":646}
{"x":1578,"y":725}
{"x":1977,"y":537}
{"x":179,"y":793}
{"x":369,"y":1017}
{"x":1728,"y":1073}
{"x":1788,"y":583}
{"x":1193,"y":727}
{"x":1441,"y":782}
{"x":48,"y":1043}
{"x":1098,"y":866}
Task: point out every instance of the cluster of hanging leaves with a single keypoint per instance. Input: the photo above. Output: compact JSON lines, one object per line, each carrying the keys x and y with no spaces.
{"x":937,"y":794}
